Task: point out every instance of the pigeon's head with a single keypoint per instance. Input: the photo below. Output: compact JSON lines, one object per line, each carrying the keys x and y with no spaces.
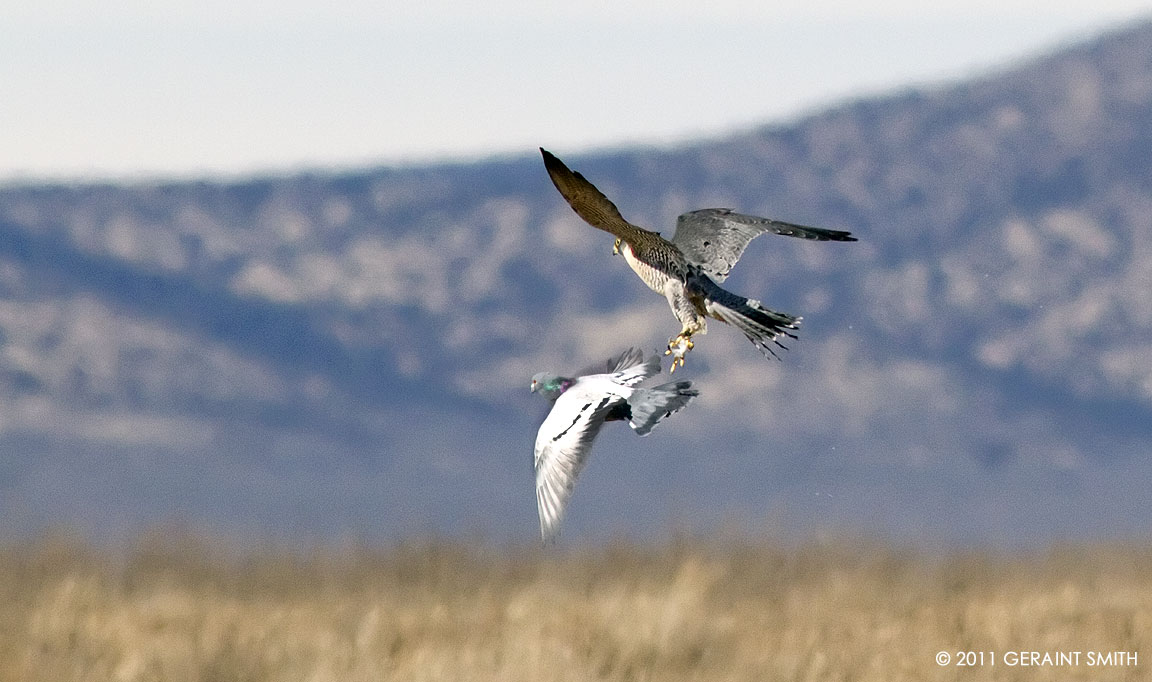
{"x":549,"y":385}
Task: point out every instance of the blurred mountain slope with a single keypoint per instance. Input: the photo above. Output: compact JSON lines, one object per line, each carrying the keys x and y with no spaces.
{"x":349,"y":352}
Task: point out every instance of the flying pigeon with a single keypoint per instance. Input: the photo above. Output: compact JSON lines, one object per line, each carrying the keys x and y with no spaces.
{"x":580,"y":406}
{"x":688,"y":269}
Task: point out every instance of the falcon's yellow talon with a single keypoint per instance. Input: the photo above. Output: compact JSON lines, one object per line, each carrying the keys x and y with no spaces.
{"x":678,"y":346}
{"x":616,"y":247}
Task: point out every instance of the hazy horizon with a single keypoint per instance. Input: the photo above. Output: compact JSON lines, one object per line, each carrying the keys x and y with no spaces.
{"x":228,"y":90}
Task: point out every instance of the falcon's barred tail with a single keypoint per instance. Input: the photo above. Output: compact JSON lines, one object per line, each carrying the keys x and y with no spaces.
{"x":761,"y":325}
{"x":650,"y":405}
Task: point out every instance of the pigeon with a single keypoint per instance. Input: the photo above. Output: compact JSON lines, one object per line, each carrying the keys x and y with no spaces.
{"x":580,"y":406}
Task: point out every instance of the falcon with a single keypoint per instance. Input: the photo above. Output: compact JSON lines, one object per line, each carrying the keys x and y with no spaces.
{"x":580,"y":406}
{"x":688,"y":269}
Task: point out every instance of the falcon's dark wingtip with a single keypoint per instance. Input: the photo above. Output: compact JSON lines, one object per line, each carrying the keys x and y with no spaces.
{"x":554,"y":166}
{"x":568,"y":182}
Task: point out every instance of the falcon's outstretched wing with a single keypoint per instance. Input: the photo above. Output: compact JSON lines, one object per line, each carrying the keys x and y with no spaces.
{"x":562,"y":447}
{"x":588,"y":202}
{"x":715,"y":238}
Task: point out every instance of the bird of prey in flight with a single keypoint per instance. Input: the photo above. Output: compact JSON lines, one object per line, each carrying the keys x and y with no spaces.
{"x":580,"y":406}
{"x":687,"y":269}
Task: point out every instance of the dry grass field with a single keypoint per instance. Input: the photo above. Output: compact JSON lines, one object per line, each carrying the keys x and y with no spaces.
{"x":182,"y":610}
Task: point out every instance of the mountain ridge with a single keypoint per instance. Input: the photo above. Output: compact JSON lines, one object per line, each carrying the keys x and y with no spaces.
{"x":349,"y":353}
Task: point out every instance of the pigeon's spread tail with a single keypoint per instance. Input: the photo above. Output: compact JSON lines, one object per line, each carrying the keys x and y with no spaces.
{"x":762,"y":326}
{"x":650,"y":405}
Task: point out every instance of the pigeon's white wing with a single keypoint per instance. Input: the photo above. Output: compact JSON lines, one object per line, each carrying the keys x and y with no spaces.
{"x":715,"y":238}
{"x":629,"y":368}
{"x":563,"y":443}
{"x":632,"y":368}
{"x":616,"y":363}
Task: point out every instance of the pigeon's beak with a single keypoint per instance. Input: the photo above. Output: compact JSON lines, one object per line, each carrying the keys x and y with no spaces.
{"x":533,"y":385}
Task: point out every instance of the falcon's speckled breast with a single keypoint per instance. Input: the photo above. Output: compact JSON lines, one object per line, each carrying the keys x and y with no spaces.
{"x":655,"y":279}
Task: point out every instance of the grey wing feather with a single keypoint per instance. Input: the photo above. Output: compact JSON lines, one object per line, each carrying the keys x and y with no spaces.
{"x":629,"y":358}
{"x":562,"y":447}
{"x":629,"y":368}
{"x":637,"y":370}
{"x":715,"y":238}
{"x":651,"y":405}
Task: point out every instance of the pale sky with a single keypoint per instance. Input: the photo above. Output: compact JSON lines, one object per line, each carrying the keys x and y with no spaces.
{"x":140,"y":88}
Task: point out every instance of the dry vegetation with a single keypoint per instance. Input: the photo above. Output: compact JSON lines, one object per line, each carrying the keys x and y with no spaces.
{"x":176,"y":609}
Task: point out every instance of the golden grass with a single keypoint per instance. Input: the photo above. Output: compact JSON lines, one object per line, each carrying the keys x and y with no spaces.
{"x":181,"y":610}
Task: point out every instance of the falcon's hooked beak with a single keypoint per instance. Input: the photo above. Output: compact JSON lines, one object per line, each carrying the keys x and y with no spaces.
{"x":616,"y":247}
